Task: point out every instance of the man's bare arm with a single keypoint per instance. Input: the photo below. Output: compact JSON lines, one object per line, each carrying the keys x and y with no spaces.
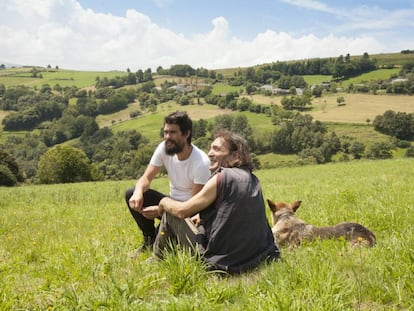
{"x":198,"y":202}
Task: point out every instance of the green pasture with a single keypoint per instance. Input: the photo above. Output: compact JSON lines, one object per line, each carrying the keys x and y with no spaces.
{"x":220,"y":88}
{"x":22,"y":76}
{"x":316,"y":79}
{"x":150,"y":123}
{"x":387,"y":59}
{"x":5,"y":134}
{"x":68,"y":246}
{"x":380,"y":74}
{"x":363,"y":133}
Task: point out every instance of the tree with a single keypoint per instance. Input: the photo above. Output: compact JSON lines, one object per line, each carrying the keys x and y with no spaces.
{"x":250,"y":88}
{"x":396,"y":124}
{"x":340,"y":101}
{"x":409,"y":153}
{"x":6,"y":176}
{"x":64,"y":164}
{"x":9,"y":170}
{"x":380,"y":150}
{"x":317,"y":91}
{"x":2,"y":90}
{"x":199,"y":128}
{"x":184,"y":100}
{"x":357,"y":150}
{"x":296,"y":102}
{"x":243,"y":104}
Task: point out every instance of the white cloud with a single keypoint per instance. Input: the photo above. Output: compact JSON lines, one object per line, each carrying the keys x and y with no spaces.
{"x":312,"y":4}
{"x":62,"y":33}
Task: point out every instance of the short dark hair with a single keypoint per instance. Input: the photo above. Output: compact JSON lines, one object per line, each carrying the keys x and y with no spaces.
{"x":182,"y":119}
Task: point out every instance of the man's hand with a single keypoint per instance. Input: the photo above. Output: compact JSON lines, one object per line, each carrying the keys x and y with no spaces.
{"x":136,"y":201}
{"x":150,"y":212}
{"x":196,"y":220}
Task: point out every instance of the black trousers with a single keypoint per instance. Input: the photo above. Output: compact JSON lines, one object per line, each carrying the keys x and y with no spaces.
{"x":151,"y":197}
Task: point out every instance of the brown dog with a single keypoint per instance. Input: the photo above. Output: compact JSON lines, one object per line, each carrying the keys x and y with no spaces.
{"x":290,"y":230}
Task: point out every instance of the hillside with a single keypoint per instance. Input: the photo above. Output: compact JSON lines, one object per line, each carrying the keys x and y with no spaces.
{"x":99,"y":120}
{"x":64,"y":77}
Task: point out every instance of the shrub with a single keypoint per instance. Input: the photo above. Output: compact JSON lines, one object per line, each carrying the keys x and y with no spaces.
{"x":64,"y":164}
{"x":10,"y":163}
{"x":7,"y":178}
{"x":381,"y":150}
{"x":409,"y":153}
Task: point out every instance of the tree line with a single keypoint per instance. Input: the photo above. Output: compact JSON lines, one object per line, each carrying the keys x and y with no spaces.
{"x":124,"y":155}
{"x":103,"y":154}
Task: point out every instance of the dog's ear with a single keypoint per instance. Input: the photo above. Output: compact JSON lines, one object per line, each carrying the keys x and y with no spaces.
{"x":272,"y":205}
{"x":295,"y":205}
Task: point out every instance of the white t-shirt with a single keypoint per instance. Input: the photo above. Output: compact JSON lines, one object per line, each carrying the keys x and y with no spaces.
{"x":183,"y":174}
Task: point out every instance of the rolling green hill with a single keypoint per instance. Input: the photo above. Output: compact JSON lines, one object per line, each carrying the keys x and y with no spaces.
{"x":359,"y":108}
{"x":23,"y":76}
{"x":64,"y":77}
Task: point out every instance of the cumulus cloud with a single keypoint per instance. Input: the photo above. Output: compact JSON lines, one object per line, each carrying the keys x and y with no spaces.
{"x":62,"y":33}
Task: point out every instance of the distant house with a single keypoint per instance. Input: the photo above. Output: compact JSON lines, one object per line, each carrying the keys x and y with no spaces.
{"x":278,"y":91}
{"x":324,"y":85}
{"x":267,"y":87}
{"x":182,"y":88}
{"x":399,"y":80}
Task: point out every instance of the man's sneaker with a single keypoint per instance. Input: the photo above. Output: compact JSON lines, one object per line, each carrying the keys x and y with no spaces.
{"x":146,"y":245}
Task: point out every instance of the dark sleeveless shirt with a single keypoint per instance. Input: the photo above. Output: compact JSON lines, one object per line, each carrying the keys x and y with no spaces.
{"x":237,"y":234}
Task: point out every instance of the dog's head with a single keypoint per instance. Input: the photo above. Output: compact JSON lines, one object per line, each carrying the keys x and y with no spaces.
{"x":280,"y":208}
{"x":277,"y":206}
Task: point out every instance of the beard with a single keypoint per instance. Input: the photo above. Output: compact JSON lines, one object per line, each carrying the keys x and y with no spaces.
{"x":174,"y":148}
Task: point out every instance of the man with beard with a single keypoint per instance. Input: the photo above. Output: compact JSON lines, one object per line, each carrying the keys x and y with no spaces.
{"x":187,"y":167}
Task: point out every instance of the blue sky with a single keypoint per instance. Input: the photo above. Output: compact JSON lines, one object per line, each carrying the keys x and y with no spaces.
{"x":115,"y":35}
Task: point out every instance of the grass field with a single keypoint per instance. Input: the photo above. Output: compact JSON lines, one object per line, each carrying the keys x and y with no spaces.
{"x":350,"y":119}
{"x":149,"y":125}
{"x":359,"y":108}
{"x":316,"y":79}
{"x":220,"y":88}
{"x":380,"y":74}
{"x":22,"y":76}
{"x":387,"y":59}
{"x":67,"y":247}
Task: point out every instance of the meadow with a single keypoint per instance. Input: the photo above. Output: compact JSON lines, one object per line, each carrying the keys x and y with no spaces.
{"x":68,"y":246}
{"x":358,"y":108}
{"x":63,"y":77}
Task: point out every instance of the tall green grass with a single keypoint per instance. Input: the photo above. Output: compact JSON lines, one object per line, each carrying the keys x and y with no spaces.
{"x":67,"y":247}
